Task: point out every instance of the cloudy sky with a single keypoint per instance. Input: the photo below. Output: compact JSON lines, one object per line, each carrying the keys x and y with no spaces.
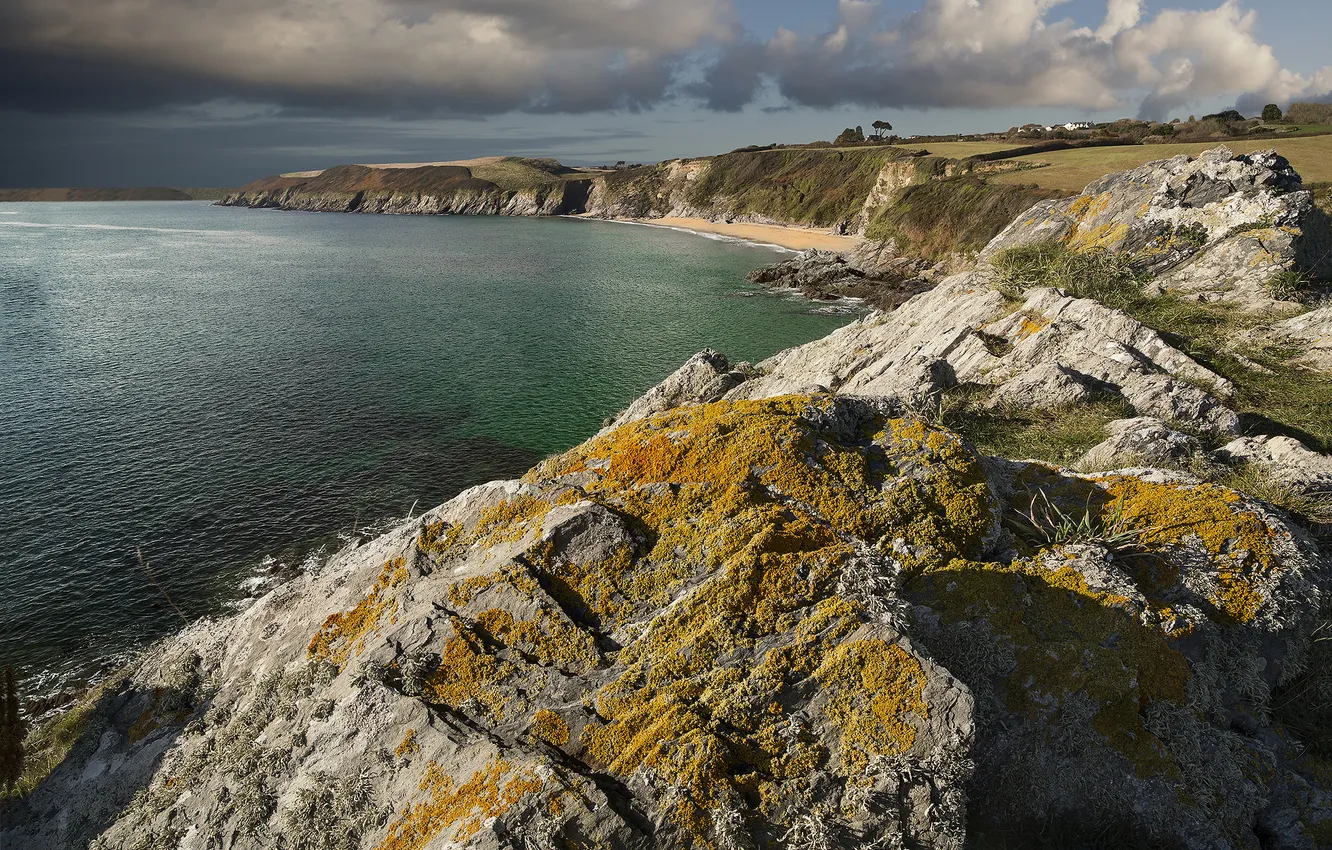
{"x":216,"y":92}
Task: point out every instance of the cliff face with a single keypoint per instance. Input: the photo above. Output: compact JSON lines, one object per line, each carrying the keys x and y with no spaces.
{"x":787,"y":604}
{"x":429,"y":190}
{"x":923,"y":206}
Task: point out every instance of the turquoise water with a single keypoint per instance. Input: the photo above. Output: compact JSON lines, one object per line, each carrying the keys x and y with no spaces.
{"x":227,"y":390}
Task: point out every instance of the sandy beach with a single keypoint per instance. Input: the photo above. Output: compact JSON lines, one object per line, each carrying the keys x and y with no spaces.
{"x":794,"y":238}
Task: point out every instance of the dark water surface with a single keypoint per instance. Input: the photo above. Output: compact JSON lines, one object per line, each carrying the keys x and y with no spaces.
{"x":229,"y":389}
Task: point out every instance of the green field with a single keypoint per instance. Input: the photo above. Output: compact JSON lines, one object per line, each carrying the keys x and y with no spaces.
{"x":1070,"y":171}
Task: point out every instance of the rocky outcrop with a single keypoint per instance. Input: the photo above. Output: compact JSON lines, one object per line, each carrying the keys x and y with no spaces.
{"x":1313,"y":330}
{"x":1285,"y":458}
{"x":966,"y":333}
{"x":1217,"y":228}
{"x":806,"y":617}
{"x":431,"y":190}
{"x":1140,"y":442}
{"x":829,"y":276}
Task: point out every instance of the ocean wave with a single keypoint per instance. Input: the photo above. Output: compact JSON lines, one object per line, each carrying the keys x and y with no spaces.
{"x":716,"y":237}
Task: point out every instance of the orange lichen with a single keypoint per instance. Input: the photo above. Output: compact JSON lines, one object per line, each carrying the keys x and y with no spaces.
{"x":874,"y":687}
{"x":468,"y":672}
{"x":549,"y":727}
{"x":344,"y":633}
{"x":409,"y":747}
{"x":1032,"y":324}
{"x":463,"y":809}
{"x":1238,"y":541}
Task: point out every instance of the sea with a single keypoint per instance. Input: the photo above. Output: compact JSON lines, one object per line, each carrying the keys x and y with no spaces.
{"x":197,"y":400}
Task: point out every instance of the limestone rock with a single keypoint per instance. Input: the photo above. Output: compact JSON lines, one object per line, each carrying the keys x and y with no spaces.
{"x":1144,"y":441}
{"x":706,"y":377}
{"x":1219,"y":227}
{"x":966,"y":333}
{"x":1286,"y":458}
{"x":1313,"y":329}
{"x":1044,"y":387}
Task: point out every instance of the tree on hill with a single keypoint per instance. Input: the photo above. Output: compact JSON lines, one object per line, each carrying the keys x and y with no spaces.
{"x":1271,"y":112}
{"x":851,"y":136}
{"x":1229,"y":116}
{"x":11,"y":733}
{"x":881,"y":128}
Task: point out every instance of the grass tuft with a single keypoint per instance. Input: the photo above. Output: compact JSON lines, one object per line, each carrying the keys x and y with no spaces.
{"x":1273,"y":395}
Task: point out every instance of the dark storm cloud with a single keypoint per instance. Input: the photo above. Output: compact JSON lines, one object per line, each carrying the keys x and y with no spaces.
{"x":455,"y":57}
{"x":436,"y":56}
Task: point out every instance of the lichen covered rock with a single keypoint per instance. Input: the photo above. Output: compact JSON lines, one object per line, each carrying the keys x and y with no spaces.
{"x":1219,"y":227}
{"x":805,"y":614}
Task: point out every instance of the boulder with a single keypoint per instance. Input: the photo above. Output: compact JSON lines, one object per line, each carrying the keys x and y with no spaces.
{"x":1219,"y":227}
{"x":1144,"y":441}
{"x":1286,"y":458}
{"x":1047,"y":386}
{"x":707,"y":376}
{"x":1313,"y":330}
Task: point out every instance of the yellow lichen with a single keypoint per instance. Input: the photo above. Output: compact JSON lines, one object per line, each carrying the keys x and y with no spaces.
{"x":461,"y":810}
{"x":469,"y":672}
{"x":1239,"y":542}
{"x":344,"y":633}
{"x":875,"y":686}
{"x":408,"y":747}
{"x":549,"y":727}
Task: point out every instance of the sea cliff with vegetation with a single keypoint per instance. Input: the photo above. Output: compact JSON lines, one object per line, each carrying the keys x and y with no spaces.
{"x":1039,"y":557}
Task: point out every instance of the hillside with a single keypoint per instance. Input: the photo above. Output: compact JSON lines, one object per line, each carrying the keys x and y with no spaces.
{"x":1041,"y":558}
{"x":852,"y":192}
{"x":151,"y":193}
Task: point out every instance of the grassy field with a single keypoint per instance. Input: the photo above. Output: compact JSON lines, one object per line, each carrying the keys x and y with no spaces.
{"x":1070,"y":171}
{"x":962,"y":150}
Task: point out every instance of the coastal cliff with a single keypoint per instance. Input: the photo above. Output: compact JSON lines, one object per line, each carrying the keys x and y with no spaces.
{"x":869,"y":192}
{"x":1041,"y":557}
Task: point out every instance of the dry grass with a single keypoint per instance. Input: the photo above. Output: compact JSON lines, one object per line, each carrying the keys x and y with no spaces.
{"x":962,"y":150}
{"x":1072,"y":170}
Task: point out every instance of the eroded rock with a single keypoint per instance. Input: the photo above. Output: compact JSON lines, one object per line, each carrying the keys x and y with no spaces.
{"x":1219,"y":227}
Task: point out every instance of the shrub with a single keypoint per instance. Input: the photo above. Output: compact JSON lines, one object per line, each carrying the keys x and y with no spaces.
{"x":1309,"y":113}
{"x":1272,"y":112}
{"x":941,"y":217}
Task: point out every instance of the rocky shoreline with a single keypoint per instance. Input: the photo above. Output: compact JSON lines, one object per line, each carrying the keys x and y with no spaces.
{"x":797,"y":603}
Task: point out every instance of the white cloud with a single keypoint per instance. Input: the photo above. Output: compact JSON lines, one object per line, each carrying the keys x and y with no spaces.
{"x":1006,"y":53}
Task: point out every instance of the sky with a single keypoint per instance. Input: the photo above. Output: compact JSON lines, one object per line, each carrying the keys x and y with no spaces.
{"x":219,"y":92}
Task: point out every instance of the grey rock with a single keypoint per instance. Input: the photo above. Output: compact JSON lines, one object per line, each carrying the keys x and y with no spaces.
{"x":827,"y":275}
{"x":1286,"y":458}
{"x":1314,"y":330}
{"x":1218,"y":227}
{"x":706,"y":377}
{"x":1047,"y":386}
{"x":1143,"y":441}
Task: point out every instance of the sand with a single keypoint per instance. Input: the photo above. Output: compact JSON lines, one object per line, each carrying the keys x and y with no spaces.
{"x":794,"y":238}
